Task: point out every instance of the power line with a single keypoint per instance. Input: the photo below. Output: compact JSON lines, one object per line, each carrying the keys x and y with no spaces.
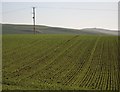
{"x":77,"y":8}
{"x":16,"y":10}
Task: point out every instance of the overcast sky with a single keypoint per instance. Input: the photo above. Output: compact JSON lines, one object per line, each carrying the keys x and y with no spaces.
{"x":63,"y":14}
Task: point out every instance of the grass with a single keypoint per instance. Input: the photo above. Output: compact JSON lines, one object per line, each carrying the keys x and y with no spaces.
{"x":55,"y":62}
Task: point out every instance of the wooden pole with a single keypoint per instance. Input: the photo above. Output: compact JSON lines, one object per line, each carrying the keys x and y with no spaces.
{"x":34,"y":20}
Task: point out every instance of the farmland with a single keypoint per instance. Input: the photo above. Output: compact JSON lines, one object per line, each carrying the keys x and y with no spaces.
{"x":54,"y":62}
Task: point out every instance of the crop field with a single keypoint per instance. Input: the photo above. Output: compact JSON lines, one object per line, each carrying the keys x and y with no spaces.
{"x":55,"y":62}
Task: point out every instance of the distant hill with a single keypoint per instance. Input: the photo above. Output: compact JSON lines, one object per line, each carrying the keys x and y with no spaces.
{"x":103,"y":31}
{"x":28,"y":29}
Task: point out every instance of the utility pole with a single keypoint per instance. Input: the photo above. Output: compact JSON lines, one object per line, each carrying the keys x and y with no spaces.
{"x":34,"y":20}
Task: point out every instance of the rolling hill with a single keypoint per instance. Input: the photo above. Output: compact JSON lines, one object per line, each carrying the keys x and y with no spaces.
{"x":54,"y":60}
{"x":41,"y":29}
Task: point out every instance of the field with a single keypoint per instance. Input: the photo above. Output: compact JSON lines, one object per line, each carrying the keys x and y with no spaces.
{"x":55,"y":62}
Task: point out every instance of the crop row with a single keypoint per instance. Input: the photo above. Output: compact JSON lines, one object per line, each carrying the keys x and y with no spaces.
{"x":59,"y":62}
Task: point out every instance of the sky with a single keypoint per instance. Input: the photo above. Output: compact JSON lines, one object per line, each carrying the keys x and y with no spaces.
{"x":76,"y":15}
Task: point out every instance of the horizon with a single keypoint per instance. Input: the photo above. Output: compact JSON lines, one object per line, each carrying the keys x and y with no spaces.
{"x":64,"y":27}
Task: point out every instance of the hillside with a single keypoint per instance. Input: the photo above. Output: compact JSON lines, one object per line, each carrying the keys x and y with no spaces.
{"x":28,"y":29}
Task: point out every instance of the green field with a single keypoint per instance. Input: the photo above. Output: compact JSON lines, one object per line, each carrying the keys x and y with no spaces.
{"x":54,"y":62}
